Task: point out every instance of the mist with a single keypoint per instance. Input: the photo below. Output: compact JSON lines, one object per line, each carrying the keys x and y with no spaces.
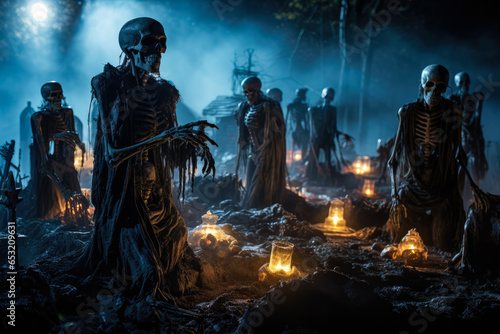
{"x":202,"y":43}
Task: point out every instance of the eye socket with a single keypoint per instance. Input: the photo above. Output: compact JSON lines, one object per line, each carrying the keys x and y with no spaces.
{"x":163,"y":41}
{"x":429,"y":84}
{"x":441,"y":87}
{"x":149,"y":41}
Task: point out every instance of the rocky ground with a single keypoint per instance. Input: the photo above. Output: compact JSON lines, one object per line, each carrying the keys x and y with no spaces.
{"x":344,"y":284}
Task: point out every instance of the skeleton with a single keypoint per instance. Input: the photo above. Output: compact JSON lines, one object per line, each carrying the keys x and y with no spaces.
{"x":54,"y":177}
{"x":324,"y":134}
{"x":138,"y":145}
{"x":275,"y":93}
{"x":429,"y":152}
{"x":262,"y":141}
{"x":472,"y":133}
{"x":299,"y":118}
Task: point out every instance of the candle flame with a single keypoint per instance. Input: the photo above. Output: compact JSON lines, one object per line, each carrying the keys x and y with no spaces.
{"x":279,"y":267}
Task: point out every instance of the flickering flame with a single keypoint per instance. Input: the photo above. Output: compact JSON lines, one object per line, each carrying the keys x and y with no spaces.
{"x":368,"y":187}
{"x":297,"y":156}
{"x":335,"y":220}
{"x":361,"y":165}
{"x":412,"y":244}
{"x":279,"y":267}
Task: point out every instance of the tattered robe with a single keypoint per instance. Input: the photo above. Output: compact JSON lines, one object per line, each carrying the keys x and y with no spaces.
{"x":140,"y":240}
{"x":430,"y":194}
{"x":265,"y":150}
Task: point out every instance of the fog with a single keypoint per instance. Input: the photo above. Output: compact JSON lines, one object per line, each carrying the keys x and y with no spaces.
{"x":201,"y":46}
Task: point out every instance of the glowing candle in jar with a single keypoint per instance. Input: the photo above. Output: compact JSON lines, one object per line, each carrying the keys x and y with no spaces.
{"x":412,"y":247}
{"x":368,"y":187}
{"x":208,"y":227}
{"x":335,"y":217}
{"x":281,"y":257}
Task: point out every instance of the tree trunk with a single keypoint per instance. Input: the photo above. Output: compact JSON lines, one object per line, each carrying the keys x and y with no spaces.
{"x":343,"y":54}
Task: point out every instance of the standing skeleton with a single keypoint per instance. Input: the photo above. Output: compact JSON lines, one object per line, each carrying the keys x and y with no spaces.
{"x":472,"y":133}
{"x":324,"y":136}
{"x":428,"y":151}
{"x":138,"y":229}
{"x":297,"y":114}
{"x":56,"y":188}
{"x":262,"y":141}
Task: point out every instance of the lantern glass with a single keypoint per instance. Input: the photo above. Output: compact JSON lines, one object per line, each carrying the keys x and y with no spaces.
{"x":412,"y":246}
{"x":368,"y":187}
{"x":209,"y":226}
{"x":336,"y":209}
{"x":281,"y":257}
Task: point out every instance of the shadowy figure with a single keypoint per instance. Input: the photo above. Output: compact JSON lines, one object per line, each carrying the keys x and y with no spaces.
{"x":138,"y":230}
{"x":324,"y":136}
{"x":428,"y":152}
{"x":54,"y":178}
{"x":263,"y":146}
{"x":297,"y":121}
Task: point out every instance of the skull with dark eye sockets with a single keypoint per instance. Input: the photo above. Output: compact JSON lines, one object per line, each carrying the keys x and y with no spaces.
{"x":251,"y":88}
{"x":433,"y":83}
{"x":52,"y":93}
{"x":462,"y":81}
{"x":143,"y":39}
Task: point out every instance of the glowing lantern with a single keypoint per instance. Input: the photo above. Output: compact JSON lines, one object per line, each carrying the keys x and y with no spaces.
{"x":208,"y":234}
{"x":411,"y":248}
{"x":280,"y":264}
{"x":281,"y":257}
{"x":297,"y":156}
{"x":335,"y":219}
{"x":368,"y":187}
{"x":361,"y":165}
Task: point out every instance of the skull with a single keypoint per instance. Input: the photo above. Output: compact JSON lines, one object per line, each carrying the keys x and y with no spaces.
{"x":52,"y":93}
{"x":143,"y":40}
{"x":433,"y":83}
{"x":328,"y":94}
{"x":301,"y":94}
{"x":275,"y":93}
{"x":251,"y":88}
{"x":462,"y":81}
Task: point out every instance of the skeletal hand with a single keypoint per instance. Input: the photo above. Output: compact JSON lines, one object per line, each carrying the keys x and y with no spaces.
{"x":397,"y":212}
{"x":480,"y":198}
{"x":71,"y":138}
{"x":198,"y":139}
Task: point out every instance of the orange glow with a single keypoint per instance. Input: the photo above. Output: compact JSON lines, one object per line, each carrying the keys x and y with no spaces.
{"x":281,"y":257}
{"x":297,"y":156}
{"x":368,"y":187}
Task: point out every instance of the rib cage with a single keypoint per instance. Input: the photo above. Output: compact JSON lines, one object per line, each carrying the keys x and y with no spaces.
{"x":252,"y":123}
{"x":59,"y":127}
{"x":147,"y":120}
{"x":427,"y":132}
